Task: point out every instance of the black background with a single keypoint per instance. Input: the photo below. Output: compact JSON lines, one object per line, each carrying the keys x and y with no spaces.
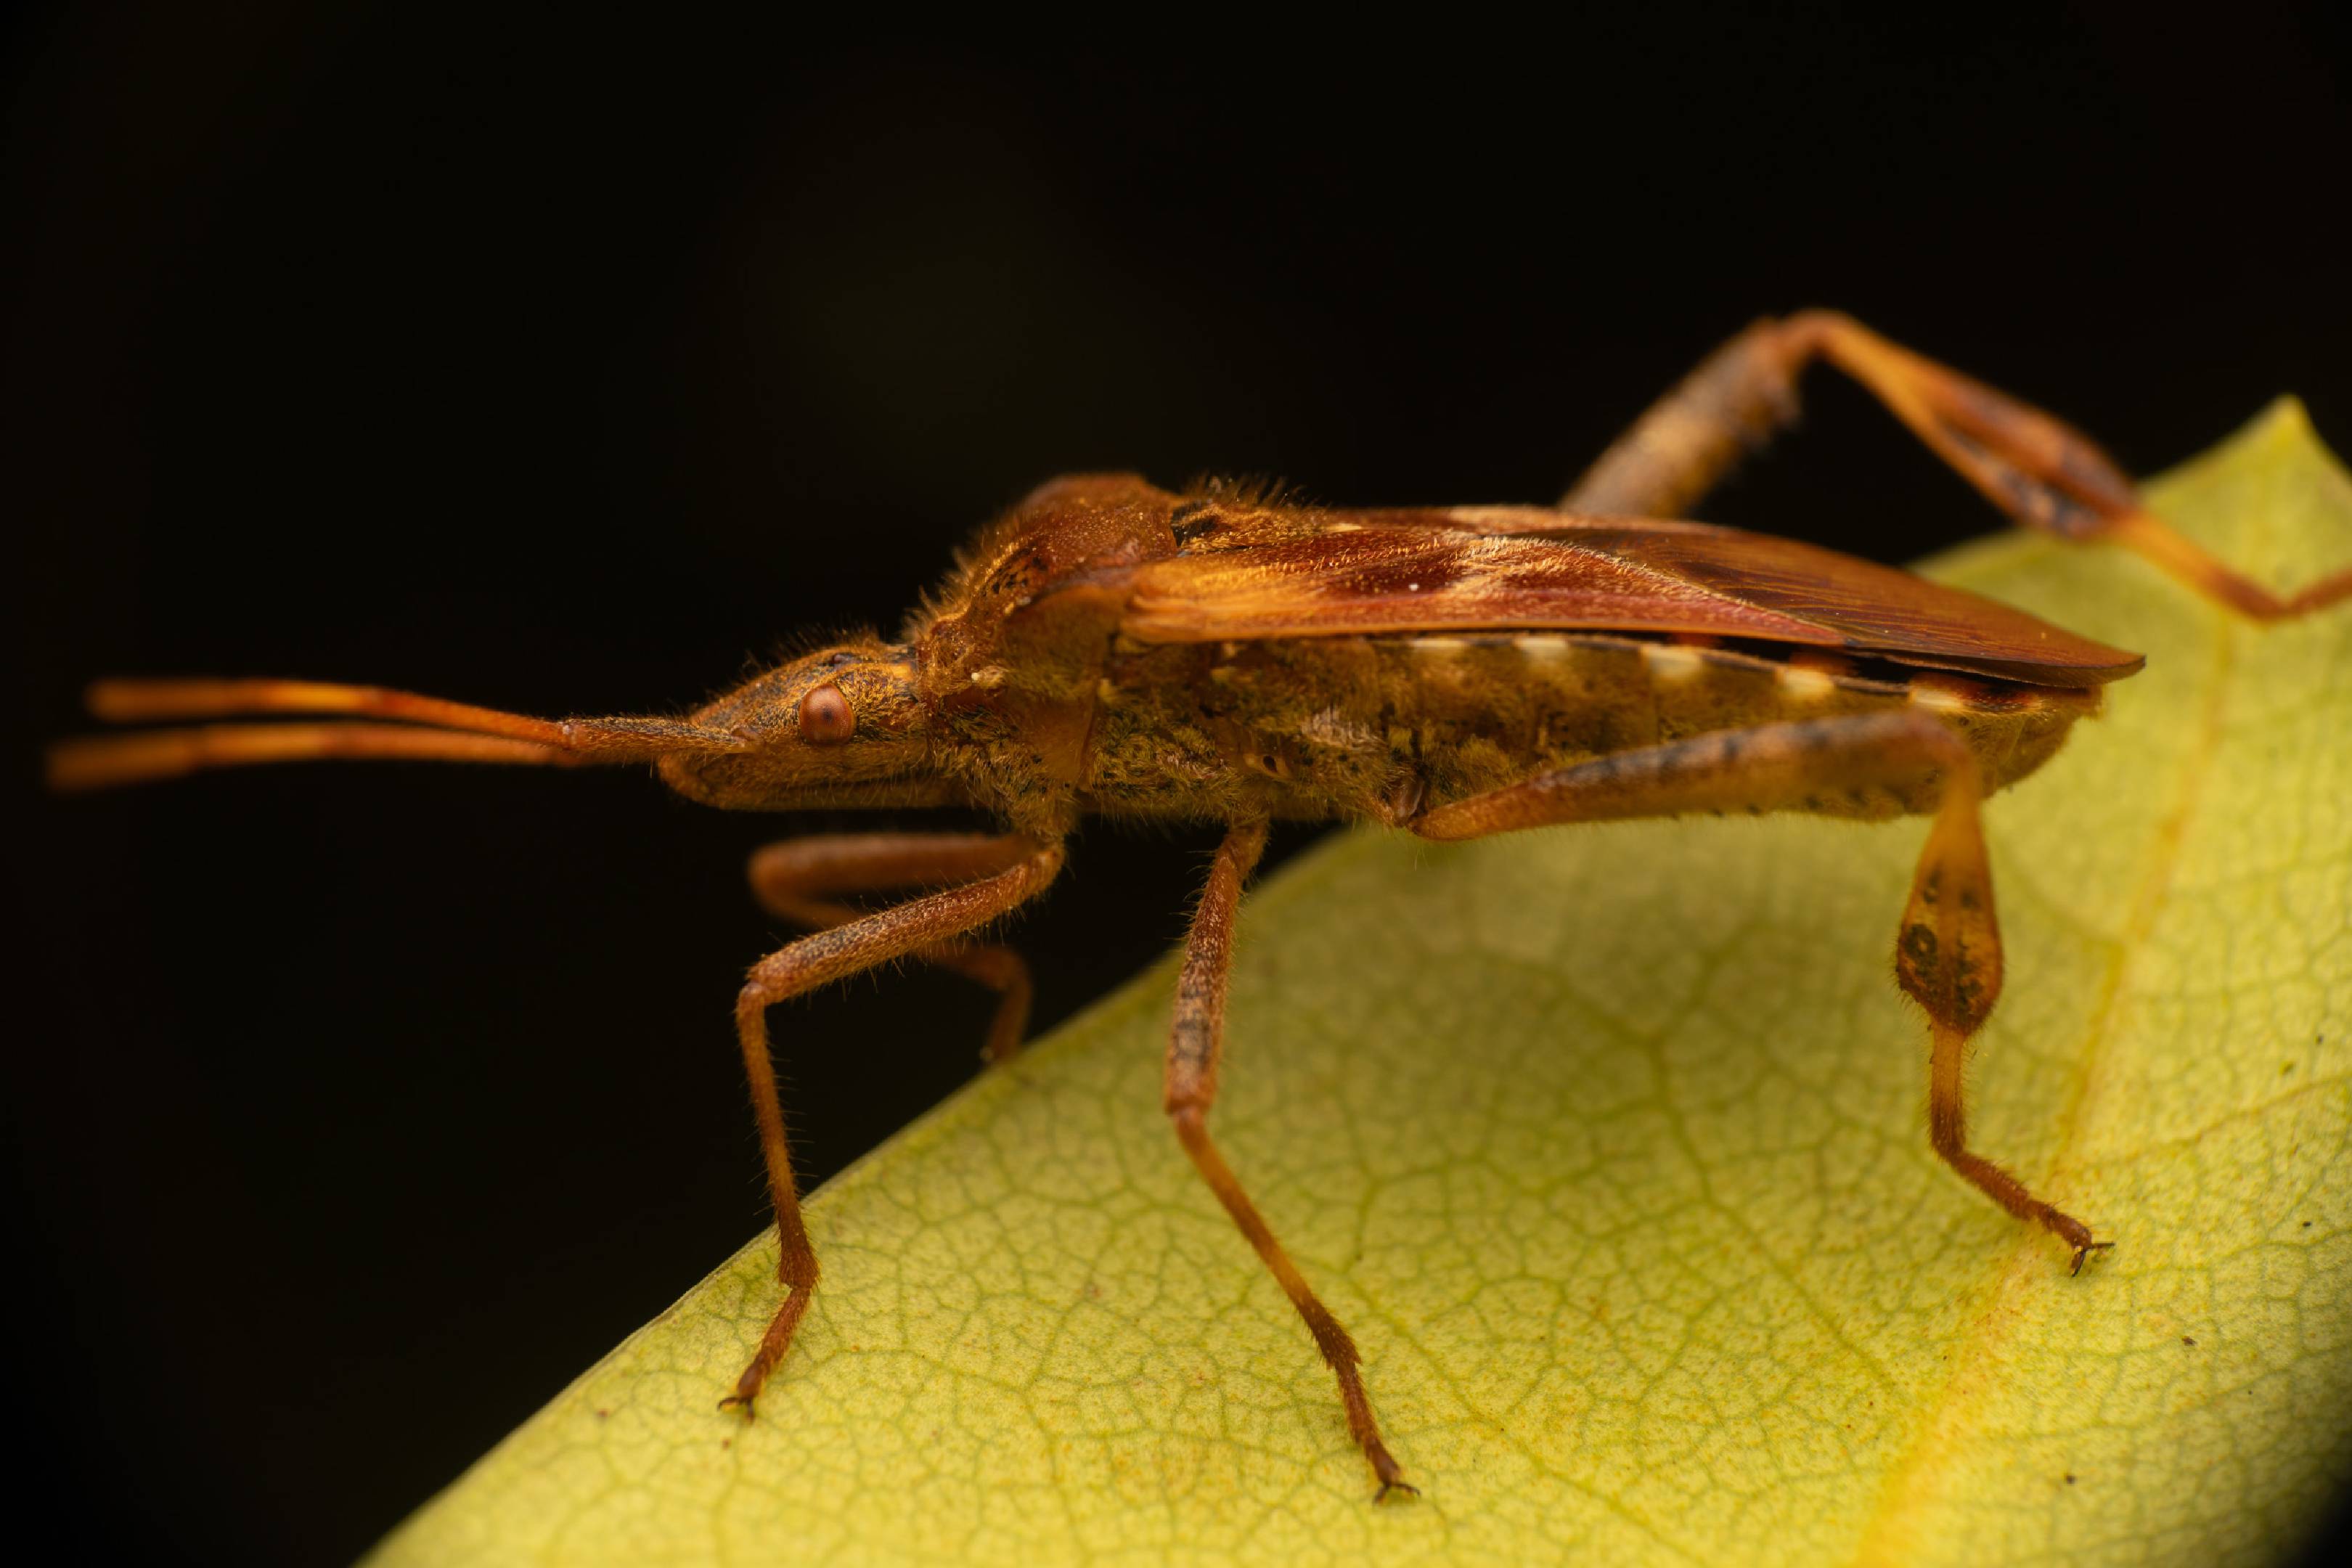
{"x":568,"y":365}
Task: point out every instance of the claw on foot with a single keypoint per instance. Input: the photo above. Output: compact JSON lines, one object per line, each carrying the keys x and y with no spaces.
{"x":739,"y":1402}
{"x":2085,"y":1249}
{"x":1384,"y":1465}
{"x":2074,"y":1233}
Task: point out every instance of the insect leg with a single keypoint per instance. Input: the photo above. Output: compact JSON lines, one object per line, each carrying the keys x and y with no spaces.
{"x":818,"y":960}
{"x":2042,"y":472}
{"x":790,"y":878}
{"x":1948,"y":956}
{"x":1195,"y":1048}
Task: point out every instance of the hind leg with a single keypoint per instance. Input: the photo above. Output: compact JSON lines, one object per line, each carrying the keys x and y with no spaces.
{"x":1947,"y":954}
{"x":2042,"y":473}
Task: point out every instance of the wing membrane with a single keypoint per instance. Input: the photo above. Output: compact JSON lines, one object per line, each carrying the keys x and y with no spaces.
{"x":1518,"y":567}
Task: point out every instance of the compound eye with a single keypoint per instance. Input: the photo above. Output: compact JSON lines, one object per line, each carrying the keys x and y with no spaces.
{"x":826,"y":717}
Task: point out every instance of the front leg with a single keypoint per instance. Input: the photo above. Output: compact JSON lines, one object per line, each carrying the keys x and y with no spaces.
{"x":813,"y":960}
{"x":792,"y":879}
{"x":1947,"y":955}
{"x":2042,"y":473}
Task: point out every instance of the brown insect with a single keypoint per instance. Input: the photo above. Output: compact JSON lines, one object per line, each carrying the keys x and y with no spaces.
{"x":1225,"y":655}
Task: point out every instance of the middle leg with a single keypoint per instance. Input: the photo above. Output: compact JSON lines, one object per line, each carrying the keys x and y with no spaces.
{"x":1195,"y":1046}
{"x":1947,"y":955}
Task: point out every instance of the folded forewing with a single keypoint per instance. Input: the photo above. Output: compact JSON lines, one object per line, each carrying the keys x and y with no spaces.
{"x":1501,"y":568}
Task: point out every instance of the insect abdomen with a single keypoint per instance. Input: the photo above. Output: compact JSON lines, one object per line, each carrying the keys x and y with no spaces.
{"x":1385,"y":726}
{"x":1477,"y":713}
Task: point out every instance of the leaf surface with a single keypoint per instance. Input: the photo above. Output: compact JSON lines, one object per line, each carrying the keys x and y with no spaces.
{"x":1608,"y":1144}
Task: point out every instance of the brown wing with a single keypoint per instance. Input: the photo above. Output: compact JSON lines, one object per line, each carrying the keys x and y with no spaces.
{"x":1497,"y":567}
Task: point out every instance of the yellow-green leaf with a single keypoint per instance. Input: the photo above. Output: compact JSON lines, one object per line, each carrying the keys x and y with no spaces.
{"x":1608,"y":1144}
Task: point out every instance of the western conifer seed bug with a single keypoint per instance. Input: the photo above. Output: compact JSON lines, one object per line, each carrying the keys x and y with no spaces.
{"x":1226,"y":655}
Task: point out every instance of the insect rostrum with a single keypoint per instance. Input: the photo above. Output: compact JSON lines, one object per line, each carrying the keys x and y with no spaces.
{"x":1226,"y":655}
